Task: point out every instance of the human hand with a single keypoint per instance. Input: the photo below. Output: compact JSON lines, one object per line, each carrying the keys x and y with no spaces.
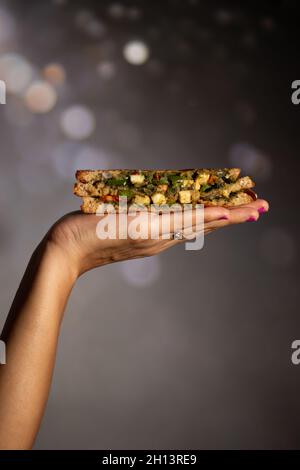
{"x":75,"y":236}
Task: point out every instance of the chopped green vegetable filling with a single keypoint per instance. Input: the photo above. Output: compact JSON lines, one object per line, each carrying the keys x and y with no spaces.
{"x":205,"y":187}
{"x":116,"y":182}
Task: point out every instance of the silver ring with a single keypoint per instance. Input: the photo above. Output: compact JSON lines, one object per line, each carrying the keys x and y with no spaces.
{"x":178,"y":235}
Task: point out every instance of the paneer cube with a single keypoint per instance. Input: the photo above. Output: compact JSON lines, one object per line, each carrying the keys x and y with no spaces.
{"x":185,"y":197}
{"x":137,"y":178}
{"x":142,"y":200}
{"x":202,"y":178}
{"x":159,"y":198}
{"x":187,"y":183}
{"x":226,"y":192}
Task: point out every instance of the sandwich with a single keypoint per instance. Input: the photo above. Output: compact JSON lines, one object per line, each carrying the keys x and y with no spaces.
{"x":141,"y":188}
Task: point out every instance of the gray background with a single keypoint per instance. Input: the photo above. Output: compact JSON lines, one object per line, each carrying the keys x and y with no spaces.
{"x":188,"y":349}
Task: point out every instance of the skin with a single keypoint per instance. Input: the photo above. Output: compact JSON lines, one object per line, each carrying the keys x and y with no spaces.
{"x":31,"y":331}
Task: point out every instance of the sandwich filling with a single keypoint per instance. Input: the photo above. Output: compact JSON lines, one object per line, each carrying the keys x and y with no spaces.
{"x":165,"y":187}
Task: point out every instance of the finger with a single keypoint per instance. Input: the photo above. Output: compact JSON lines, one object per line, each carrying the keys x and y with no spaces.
{"x":260,"y":204}
{"x":237,"y":216}
{"x":215,"y":213}
{"x":191,"y":218}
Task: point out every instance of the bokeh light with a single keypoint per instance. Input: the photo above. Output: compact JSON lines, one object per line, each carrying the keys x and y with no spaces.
{"x":268,"y":24}
{"x":106,"y":70}
{"x":136,"y":52}
{"x":251,"y":160}
{"x":116,"y":10}
{"x":223,"y":17}
{"x":88,"y":23}
{"x":54,"y":73}
{"x":134,"y":13}
{"x":141,"y":272}
{"x":78,"y":122}
{"x":67,"y":157}
{"x":40,"y":97}
{"x":16,"y":71}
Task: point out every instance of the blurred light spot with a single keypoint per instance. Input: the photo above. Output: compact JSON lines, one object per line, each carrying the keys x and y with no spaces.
{"x":82,"y":18}
{"x":54,"y":73}
{"x":70,"y":156}
{"x":95,"y":28}
{"x":136,"y":52}
{"x":106,"y":70}
{"x":278,"y":247}
{"x":134,"y":13}
{"x":7,"y":26}
{"x":252,"y":161}
{"x":89,"y":23}
{"x":223,"y":17}
{"x":268,"y":24}
{"x":141,"y":272}
{"x":17,"y":113}
{"x":40,"y":97}
{"x":16,"y":71}
{"x":90,"y":157}
{"x":116,"y":11}
{"x":60,"y":2}
{"x":78,"y":122}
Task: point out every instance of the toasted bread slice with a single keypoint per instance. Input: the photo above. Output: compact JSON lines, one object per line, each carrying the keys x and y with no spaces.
{"x":163,"y":187}
{"x":90,"y":205}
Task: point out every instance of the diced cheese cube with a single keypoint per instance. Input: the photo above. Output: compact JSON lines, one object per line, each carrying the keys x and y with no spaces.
{"x":187,"y":183}
{"x":137,"y":178}
{"x":202,"y":178}
{"x":158,"y":198}
{"x":185,"y":197}
{"x":226,"y":192}
{"x":143,"y":200}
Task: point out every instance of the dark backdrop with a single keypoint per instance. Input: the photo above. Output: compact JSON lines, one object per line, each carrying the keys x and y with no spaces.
{"x":187,"y":349}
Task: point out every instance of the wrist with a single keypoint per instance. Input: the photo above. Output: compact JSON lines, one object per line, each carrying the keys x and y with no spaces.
{"x":60,"y":258}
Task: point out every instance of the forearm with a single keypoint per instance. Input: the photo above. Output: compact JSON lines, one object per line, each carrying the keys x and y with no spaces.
{"x":31,"y":334}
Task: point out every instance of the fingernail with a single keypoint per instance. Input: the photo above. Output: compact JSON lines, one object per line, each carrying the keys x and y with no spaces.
{"x":262,"y":210}
{"x":224,"y":217}
{"x":251,"y":219}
